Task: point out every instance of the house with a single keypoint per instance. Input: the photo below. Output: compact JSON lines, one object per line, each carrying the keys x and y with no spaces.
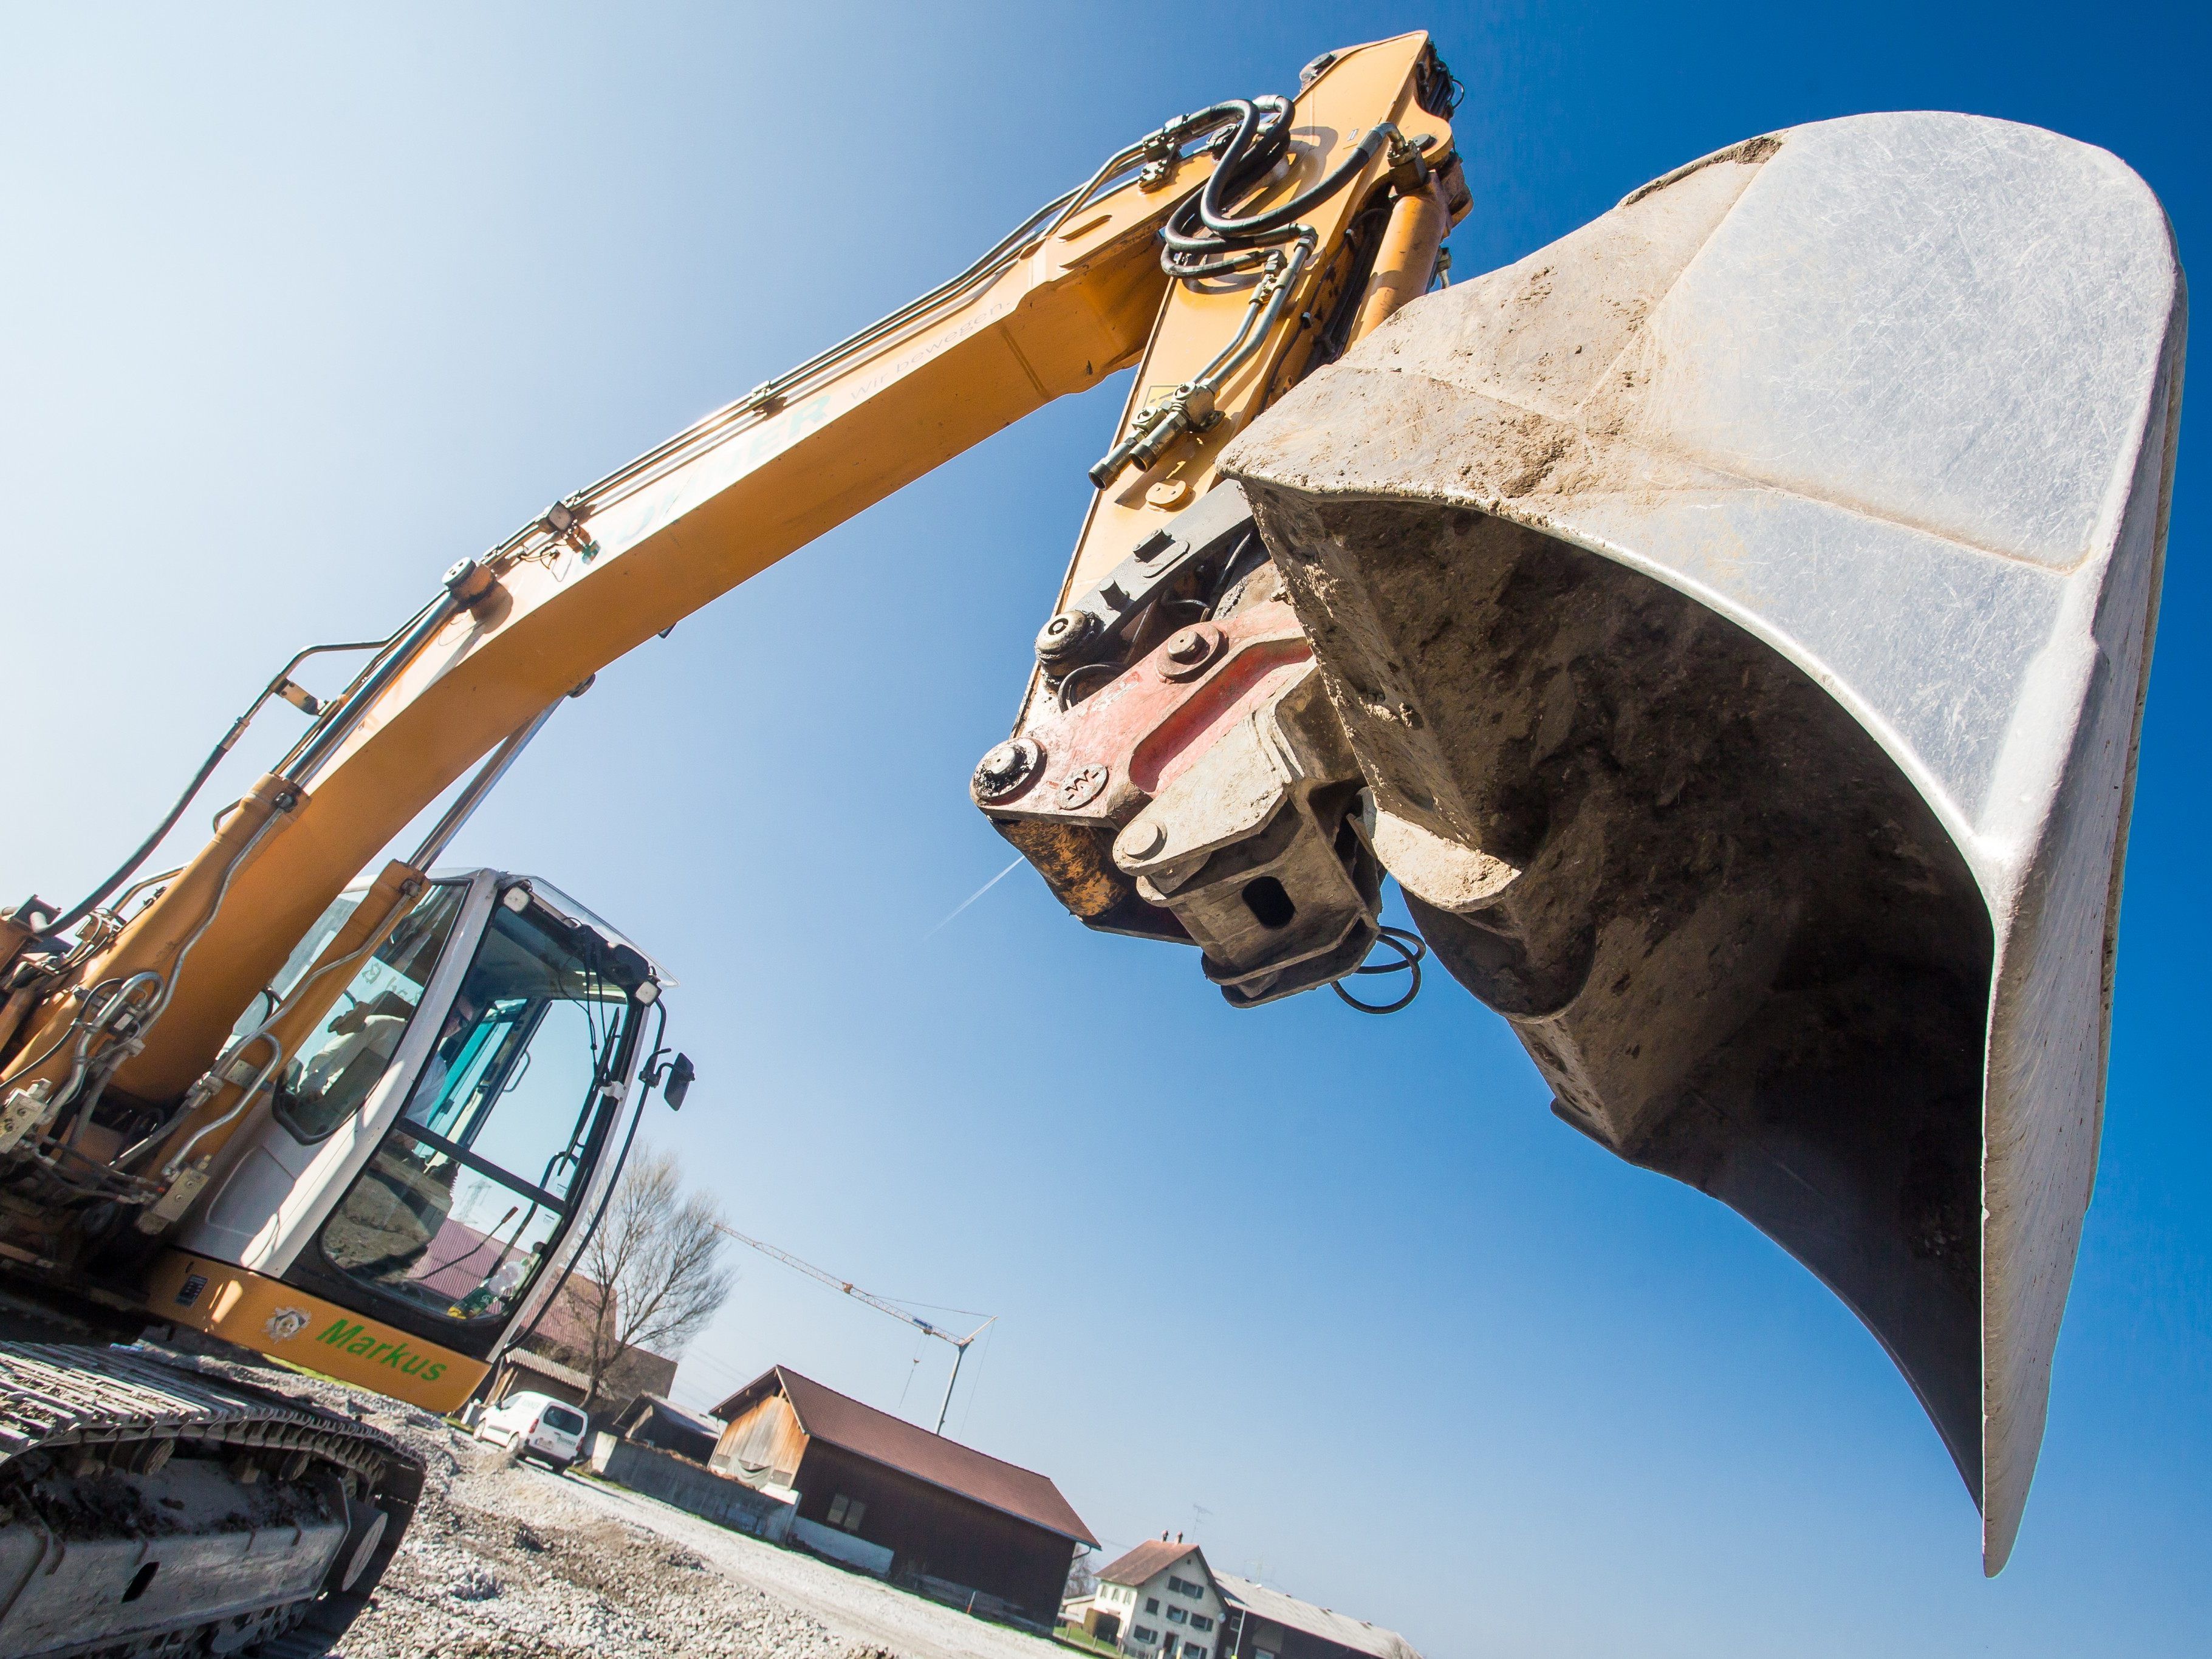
{"x":1161,"y":1601}
{"x":548,"y":1356}
{"x":1266,"y":1624}
{"x":636,"y":1371}
{"x":1158,"y":1601}
{"x":523,"y":1370}
{"x":880,"y":1494}
{"x":652,"y":1420}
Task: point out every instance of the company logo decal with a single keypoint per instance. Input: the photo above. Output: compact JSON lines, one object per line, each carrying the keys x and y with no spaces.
{"x":285,"y":1324}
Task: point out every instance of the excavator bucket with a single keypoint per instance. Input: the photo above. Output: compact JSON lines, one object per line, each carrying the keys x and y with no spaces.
{"x":1740,"y":610}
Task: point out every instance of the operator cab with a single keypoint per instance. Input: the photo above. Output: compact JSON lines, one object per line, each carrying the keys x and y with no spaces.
{"x":429,"y":1145}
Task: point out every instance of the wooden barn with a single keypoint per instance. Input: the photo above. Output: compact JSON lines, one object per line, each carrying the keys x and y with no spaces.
{"x":881,"y":1494}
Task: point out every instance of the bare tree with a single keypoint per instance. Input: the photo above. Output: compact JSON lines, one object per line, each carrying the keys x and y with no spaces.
{"x":653,"y":1274}
{"x":1081,"y":1580}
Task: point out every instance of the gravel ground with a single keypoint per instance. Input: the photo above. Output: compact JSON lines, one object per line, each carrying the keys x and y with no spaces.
{"x":869,"y":1616}
{"x":510,"y":1559}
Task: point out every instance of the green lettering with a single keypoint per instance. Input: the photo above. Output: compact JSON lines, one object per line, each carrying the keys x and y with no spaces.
{"x":362,"y":1345}
{"x":339,"y":1334}
{"x":399,"y":1349}
{"x":432,"y":1373}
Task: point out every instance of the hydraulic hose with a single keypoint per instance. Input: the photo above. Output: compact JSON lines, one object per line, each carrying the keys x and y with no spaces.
{"x":1206,"y":238}
{"x":1262,"y":138}
{"x":245,"y":1095}
{"x":99,"y":894}
{"x":1205,"y":235}
{"x":93,"y":900}
{"x":339,"y":722}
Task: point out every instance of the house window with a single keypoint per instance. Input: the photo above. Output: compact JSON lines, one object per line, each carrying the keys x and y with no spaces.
{"x":1199,"y":1621}
{"x":1152,"y":1604}
{"x":1194,"y":1650}
{"x":1145,"y":1636}
{"x":846,"y":1512}
{"x":1178,"y":1615}
{"x":1184,"y":1586}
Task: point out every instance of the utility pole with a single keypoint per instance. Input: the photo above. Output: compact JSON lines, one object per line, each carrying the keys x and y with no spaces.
{"x":847,"y":1286}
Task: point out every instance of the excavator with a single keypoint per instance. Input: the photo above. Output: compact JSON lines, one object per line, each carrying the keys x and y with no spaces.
{"x":1728,"y":627}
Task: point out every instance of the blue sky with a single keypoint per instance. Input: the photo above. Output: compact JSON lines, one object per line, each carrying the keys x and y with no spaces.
{"x":299,"y":311}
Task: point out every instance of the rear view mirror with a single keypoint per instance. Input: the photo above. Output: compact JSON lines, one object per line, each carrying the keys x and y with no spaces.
{"x":681,"y":1072}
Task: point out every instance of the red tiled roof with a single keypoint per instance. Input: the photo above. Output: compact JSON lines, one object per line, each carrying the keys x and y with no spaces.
{"x":1145,"y":1562}
{"x":844,"y":1422}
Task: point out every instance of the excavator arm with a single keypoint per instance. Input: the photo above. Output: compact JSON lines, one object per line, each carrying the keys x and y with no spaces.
{"x":1074,"y":294}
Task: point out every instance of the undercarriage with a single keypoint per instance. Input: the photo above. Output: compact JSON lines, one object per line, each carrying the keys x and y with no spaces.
{"x":154,"y":1507}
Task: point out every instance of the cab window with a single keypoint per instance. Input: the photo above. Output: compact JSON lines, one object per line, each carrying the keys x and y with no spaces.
{"x":334,"y":1068}
{"x":459,"y":1205}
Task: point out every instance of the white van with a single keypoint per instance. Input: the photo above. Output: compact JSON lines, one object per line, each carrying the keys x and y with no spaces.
{"x":535,"y":1425}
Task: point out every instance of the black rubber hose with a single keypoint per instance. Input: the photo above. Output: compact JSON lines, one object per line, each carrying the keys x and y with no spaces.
{"x":1262,"y":139}
{"x":1207,"y":226}
{"x":99,"y":894}
{"x":1290,"y":212}
{"x":1237,"y":175}
{"x":123,"y":873}
{"x":1248,"y":154}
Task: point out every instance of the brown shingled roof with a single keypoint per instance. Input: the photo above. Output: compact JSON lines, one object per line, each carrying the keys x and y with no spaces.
{"x":842,"y":1421}
{"x":1149,"y":1559}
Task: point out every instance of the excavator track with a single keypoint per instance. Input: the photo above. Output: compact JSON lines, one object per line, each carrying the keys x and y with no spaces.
{"x":148,"y":1508}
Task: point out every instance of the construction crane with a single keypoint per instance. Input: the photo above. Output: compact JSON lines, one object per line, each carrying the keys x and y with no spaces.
{"x":959,"y":1343}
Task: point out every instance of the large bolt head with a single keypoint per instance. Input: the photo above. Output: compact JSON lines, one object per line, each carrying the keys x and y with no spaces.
{"x":1005,"y":769}
{"x":1063,"y":633}
{"x":1141,"y":840}
{"x":1190,"y":651}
